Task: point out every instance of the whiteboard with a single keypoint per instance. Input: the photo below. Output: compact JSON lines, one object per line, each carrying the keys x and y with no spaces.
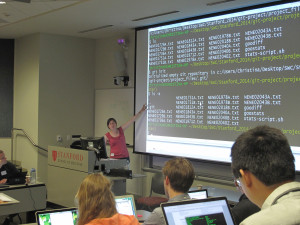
{"x":116,"y":103}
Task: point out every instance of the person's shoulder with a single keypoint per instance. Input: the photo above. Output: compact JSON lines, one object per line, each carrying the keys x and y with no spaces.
{"x":156,"y":217}
{"x":278,"y":214}
{"x":9,"y":165}
{"x":115,"y":219}
{"x":126,"y":219}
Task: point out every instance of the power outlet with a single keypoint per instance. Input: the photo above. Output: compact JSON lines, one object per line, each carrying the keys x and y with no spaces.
{"x":59,"y":138}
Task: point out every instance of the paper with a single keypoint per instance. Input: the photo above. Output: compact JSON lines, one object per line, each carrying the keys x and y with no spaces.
{"x":5,"y":199}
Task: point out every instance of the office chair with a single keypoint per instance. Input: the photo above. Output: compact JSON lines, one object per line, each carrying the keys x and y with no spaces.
{"x":151,"y":202}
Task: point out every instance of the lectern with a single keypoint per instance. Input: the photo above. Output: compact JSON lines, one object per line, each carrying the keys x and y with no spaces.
{"x":67,"y":168}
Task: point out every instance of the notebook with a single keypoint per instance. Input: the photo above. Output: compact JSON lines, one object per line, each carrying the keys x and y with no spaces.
{"x":64,"y":216}
{"x":198,"y":194}
{"x":198,"y":211}
{"x":125,"y":205}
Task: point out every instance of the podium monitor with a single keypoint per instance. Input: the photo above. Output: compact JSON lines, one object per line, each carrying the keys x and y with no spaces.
{"x":96,"y":144}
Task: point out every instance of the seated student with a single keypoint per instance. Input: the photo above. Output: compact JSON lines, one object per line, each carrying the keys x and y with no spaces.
{"x":179,"y":177}
{"x":96,"y":203}
{"x":9,"y":174}
{"x":263,"y":166}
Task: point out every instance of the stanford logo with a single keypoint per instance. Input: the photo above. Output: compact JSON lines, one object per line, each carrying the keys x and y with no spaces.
{"x":54,"y":155}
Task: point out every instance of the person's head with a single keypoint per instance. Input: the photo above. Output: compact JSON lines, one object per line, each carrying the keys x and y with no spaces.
{"x":180,"y":173}
{"x":95,"y":199}
{"x":3,"y":159}
{"x":111,"y":123}
{"x":265,"y":152}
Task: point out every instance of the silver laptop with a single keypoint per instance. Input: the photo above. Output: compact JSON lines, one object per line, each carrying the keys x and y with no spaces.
{"x":198,"y":194}
{"x":125,"y":205}
{"x":198,"y":211}
{"x":64,"y":216}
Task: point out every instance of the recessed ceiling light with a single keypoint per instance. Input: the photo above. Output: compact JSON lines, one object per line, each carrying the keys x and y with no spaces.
{"x":93,"y":29}
{"x":219,"y":2}
{"x":157,"y":15}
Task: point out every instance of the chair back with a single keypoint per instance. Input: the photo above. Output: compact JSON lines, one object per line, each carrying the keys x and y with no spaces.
{"x":157,"y":184}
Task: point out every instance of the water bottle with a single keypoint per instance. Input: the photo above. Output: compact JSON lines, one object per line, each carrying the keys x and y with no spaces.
{"x":32,"y":176}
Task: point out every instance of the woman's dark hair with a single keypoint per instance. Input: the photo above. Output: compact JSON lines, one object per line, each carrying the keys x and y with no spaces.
{"x":110,"y":119}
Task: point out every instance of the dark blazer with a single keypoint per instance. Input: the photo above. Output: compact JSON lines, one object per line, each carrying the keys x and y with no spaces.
{"x":12,"y":174}
{"x":243,"y":209}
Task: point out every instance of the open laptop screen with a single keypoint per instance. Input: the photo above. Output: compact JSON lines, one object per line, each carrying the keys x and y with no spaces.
{"x":198,"y":211}
{"x":125,"y":205}
{"x":198,"y":194}
{"x":64,"y":216}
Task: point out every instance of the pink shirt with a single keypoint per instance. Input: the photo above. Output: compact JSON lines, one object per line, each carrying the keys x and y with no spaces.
{"x":118,"y":147}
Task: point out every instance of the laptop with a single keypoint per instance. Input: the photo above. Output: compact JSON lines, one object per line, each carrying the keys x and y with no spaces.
{"x":198,"y":194}
{"x":198,"y":211}
{"x":64,"y":216}
{"x":125,"y":205}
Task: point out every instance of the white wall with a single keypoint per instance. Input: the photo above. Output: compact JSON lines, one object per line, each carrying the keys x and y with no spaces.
{"x":26,"y":97}
{"x":106,"y":66}
{"x":5,"y":145}
{"x":53,"y":94}
{"x":66,"y":91}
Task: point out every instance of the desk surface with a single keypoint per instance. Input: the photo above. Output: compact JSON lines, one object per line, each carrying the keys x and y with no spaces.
{"x":31,"y":198}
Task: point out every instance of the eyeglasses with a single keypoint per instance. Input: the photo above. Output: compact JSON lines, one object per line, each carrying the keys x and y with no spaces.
{"x":237,"y":183}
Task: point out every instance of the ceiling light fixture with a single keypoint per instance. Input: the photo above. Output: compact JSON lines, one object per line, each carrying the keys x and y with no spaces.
{"x":219,"y":2}
{"x":93,"y":29}
{"x":157,"y":15}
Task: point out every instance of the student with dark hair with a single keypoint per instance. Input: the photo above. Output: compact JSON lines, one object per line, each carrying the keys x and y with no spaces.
{"x":179,"y":176}
{"x":96,"y":203}
{"x":116,"y":138}
{"x":263,"y":166}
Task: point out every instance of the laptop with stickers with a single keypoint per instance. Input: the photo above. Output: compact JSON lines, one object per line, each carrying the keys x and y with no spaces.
{"x":125,"y":205}
{"x":64,"y":216}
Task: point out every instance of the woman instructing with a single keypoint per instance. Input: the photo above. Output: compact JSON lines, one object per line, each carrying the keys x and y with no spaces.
{"x":115,"y":137}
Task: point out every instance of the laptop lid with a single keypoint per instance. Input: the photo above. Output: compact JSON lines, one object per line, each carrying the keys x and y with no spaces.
{"x":64,"y":216}
{"x":198,"y":211}
{"x":125,"y":205}
{"x":198,"y":194}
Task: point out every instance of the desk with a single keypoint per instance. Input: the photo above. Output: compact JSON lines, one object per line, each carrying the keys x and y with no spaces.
{"x":31,"y":197}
